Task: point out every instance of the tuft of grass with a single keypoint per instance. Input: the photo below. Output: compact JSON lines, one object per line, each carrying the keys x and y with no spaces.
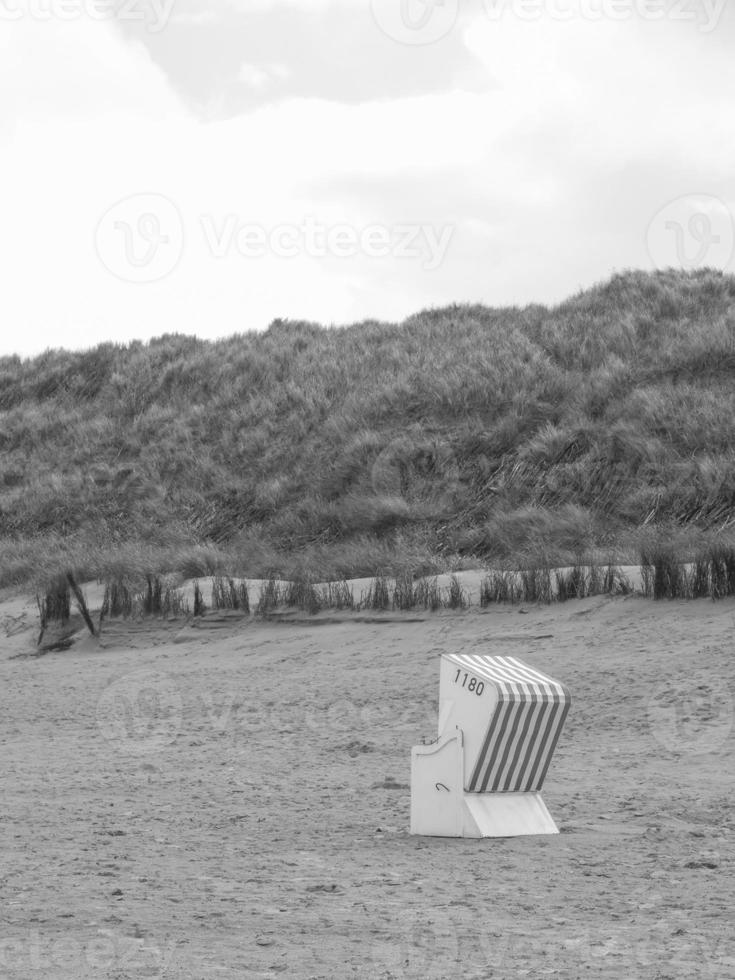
{"x":378,"y":595}
{"x":157,"y":598}
{"x":427,"y":594}
{"x":721,"y":560}
{"x":270,"y":596}
{"x":174,"y":604}
{"x":614,"y":581}
{"x":152,"y":596}
{"x":404,"y":596}
{"x":711,"y":573}
{"x":662,"y":575}
{"x":338,"y":595}
{"x":499,"y":586}
{"x":199,"y":605}
{"x":573,"y":584}
{"x":700,"y":580}
{"x":457,"y":597}
{"x":197,"y":561}
{"x":54,"y":604}
{"x":536,"y":584}
{"x":303,"y":594}
{"x":118,"y":600}
{"x":228,"y":594}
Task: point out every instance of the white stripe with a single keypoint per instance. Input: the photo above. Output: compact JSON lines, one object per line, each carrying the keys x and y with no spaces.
{"x":510,"y":673}
{"x":504,"y":669}
{"x":495,"y":670}
{"x":534,"y":675}
{"x":504,"y":675}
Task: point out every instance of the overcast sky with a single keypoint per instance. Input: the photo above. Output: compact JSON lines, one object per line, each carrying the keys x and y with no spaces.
{"x":181,"y":166}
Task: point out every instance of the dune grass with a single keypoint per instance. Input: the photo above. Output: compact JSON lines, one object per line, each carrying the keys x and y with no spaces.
{"x":158,"y":598}
{"x":710,"y":574}
{"x":228,"y":594}
{"x":662,"y":576}
{"x":542,"y":584}
{"x":459,"y":436}
{"x":54,"y":603}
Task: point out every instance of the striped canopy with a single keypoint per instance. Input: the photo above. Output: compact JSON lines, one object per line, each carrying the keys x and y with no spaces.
{"x":524,"y":728}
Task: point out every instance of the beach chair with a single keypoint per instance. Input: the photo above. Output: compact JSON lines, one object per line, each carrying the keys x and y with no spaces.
{"x":499,"y":724}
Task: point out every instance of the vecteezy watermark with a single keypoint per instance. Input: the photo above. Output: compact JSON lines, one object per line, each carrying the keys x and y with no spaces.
{"x":231,"y":235}
{"x":706,"y":14}
{"x":420,"y":945}
{"x":242,"y":727}
{"x":415,"y":21}
{"x":32,"y":953}
{"x":667,"y":947}
{"x":691,"y":718}
{"x":141,"y":238}
{"x":154,"y":15}
{"x":141,"y":712}
{"x":692,"y":232}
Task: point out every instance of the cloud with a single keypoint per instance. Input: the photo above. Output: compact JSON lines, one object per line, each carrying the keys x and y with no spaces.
{"x":547,"y":165}
{"x":77,"y":70}
{"x":258,"y":78}
{"x":327,"y":50}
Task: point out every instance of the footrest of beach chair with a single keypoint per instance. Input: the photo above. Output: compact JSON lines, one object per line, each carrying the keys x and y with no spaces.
{"x":506,"y":815}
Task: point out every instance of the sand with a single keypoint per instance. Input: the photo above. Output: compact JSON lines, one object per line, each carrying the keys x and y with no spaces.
{"x":232,"y":800}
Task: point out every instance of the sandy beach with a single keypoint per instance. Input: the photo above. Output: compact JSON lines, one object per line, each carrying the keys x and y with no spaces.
{"x":230,"y":798}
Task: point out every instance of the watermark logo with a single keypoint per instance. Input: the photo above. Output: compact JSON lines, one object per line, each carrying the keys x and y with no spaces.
{"x":231,"y":235}
{"x":140,"y":713}
{"x":456,"y":943}
{"x":346,"y":725}
{"x":141,"y":238}
{"x":415,"y":22}
{"x":103,"y":953}
{"x":691,"y":718}
{"x":153,"y":15}
{"x":706,"y":14}
{"x":692,"y":232}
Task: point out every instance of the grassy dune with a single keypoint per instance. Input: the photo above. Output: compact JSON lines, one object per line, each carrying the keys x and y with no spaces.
{"x":585,"y":430}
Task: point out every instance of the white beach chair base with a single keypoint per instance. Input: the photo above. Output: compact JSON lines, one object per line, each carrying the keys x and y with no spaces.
{"x":440,"y":807}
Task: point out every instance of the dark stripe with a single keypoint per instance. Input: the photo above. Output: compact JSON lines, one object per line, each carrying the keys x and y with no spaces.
{"x":530,"y":711}
{"x":541,"y":745}
{"x":507,"y":787}
{"x":519,"y":706}
{"x":543,"y":710}
{"x":498,"y":720}
{"x":564,"y":712}
{"x":503,"y":716}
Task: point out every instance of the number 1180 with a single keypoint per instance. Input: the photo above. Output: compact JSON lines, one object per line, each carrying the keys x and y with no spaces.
{"x":474,"y":685}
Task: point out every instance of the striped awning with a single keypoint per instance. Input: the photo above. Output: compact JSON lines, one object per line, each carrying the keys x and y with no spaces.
{"x":524,"y":728}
